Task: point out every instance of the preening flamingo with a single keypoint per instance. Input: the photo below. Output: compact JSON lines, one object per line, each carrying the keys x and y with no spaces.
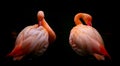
{"x":86,"y":40}
{"x":33,"y":39}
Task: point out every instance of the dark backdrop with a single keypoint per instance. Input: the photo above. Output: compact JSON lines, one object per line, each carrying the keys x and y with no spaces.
{"x":15,"y":15}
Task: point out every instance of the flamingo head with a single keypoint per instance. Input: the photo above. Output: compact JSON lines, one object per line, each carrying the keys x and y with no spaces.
{"x":40,"y":15}
{"x":88,"y":19}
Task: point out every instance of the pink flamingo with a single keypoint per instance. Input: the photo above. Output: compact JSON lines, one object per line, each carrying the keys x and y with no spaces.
{"x":84,"y":39}
{"x":33,"y":39}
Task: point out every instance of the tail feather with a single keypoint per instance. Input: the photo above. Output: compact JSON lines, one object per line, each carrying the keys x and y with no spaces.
{"x":104,"y":52}
{"x":15,"y":52}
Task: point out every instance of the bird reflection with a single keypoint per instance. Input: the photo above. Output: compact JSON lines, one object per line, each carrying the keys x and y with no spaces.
{"x":86,"y":40}
{"x":33,"y":39}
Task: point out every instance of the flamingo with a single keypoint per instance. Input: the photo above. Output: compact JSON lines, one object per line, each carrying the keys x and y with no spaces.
{"x":85,"y":39}
{"x":33,"y":39}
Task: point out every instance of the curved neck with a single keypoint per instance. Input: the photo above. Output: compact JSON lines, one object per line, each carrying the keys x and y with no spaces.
{"x":52,"y":35}
{"x":86,"y":17}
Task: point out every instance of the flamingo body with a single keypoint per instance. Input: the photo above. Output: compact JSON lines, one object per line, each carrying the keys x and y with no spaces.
{"x":33,"y":39}
{"x":86,"y":40}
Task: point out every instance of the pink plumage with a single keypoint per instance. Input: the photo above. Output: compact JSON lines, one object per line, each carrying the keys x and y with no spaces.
{"x":86,"y":40}
{"x":33,"y":39}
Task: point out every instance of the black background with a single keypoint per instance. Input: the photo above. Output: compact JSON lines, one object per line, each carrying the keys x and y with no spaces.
{"x":15,"y":15}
